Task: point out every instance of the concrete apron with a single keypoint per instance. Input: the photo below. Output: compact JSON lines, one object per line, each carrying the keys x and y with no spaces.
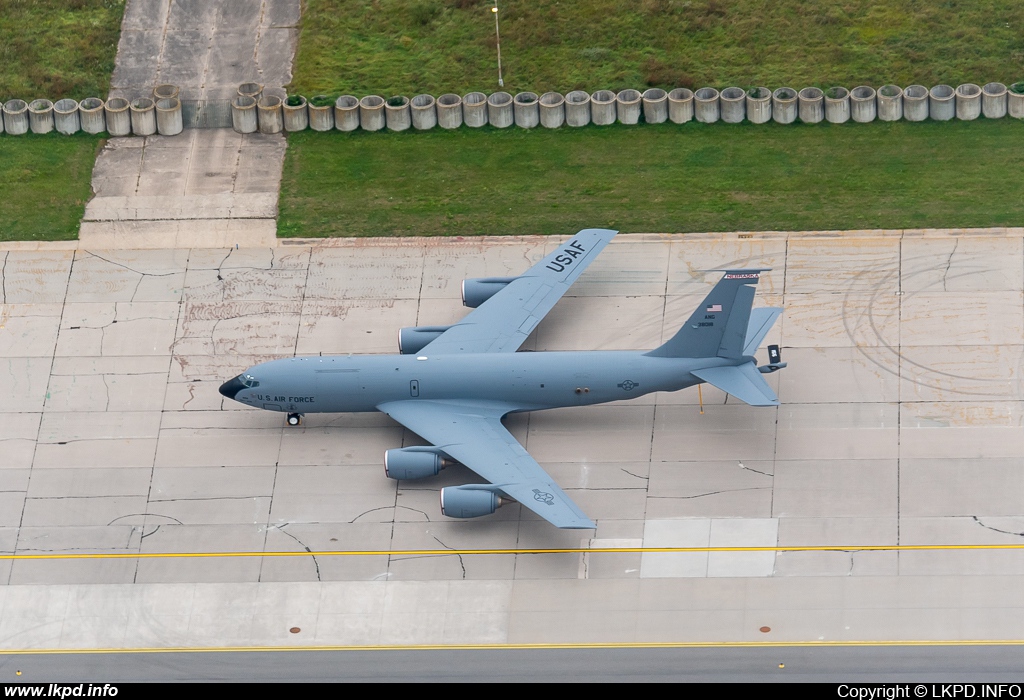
{"x":900,"y":427}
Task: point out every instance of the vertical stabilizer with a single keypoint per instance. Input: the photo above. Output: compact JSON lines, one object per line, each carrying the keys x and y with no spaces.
{"x":718,"y":328}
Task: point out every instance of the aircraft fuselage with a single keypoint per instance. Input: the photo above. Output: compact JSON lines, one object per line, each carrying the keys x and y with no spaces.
{"x":529,"y":380}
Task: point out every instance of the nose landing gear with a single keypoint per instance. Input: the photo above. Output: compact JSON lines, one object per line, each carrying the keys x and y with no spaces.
{"x":294,"y":419}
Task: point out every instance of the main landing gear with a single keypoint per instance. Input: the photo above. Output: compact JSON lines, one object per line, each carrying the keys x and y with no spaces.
{"x":294,"y":419}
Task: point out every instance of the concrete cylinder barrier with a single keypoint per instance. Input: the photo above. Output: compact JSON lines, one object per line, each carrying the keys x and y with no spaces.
{"x":552,"y":110}
{"x":968,"y":102}
{"x":270,"y":115}
{"x":424,"y":112}
{"x":143,"y":116}
{"x":811,"y":105}
{"x":915,"y":103}
{"x":837,"y":105}
{"x":40,"y":116}
{"x":890,"y":103}
{"x":371,"y":113}
{"x":346,"y":113}
{"x":680,"y":105}
{"x":993,"y":101}
{"x":65,"y":117}
{"x":474,"y":109}
{"x":449,"y":111}
{"x":863,"y":104}
{"x":759,"y":105}
{"x":733,"y":105}
{"x":165,"y":92}
{"x":253,"y":90}
{"x":168,"y":116}
{"x":119,"y":118}
{"x":499,"y":110}
{"x":526,"y":111}
{"x":784,"y":105}
{"x":577,"y":108}
{"x":1015,"y":100}
{"x":90,"y":112}
{"x":655,"y":106}
{"x":941,"y":104}
{"x":397,"y":114}
{"x":602,"y":107}
{"x":243,"y":114}
{"x":296,"y":113}
{"x":321,"y":113}
{"x":16,"y":117}
{"x":628,"y":106}
{"x":706,"y":105}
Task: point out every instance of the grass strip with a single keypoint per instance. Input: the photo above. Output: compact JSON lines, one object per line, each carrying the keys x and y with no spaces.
{"x":654,"y":178}
{"x":45,"y":181}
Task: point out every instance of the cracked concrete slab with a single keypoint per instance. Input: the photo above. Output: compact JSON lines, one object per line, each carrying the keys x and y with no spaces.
{"x":212,"y":178}
{"x":893,"y":431}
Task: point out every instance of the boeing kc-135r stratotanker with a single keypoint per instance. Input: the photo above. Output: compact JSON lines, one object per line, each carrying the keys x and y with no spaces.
{"x":452,"y":385}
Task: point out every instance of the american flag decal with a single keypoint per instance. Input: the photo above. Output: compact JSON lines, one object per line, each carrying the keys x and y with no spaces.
{"x":714,"y":308}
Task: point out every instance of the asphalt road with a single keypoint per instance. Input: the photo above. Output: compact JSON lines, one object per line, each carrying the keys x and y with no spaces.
{"x":831,"y":664}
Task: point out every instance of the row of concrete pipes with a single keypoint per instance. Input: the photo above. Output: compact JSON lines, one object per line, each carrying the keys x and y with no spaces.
{"x":271,"y":114}
{"x":252,"y":111}
{"x":144,"y":116}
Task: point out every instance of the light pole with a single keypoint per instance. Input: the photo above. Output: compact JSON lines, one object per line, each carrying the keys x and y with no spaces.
{"x":497,"y":36}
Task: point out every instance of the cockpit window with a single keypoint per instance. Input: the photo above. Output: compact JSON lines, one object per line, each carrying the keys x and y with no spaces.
{"x":249,"y":381}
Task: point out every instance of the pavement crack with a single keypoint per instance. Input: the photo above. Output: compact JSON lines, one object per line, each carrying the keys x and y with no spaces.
{"x":371,"y":510}
{"x":949,"y":263}
{"x":996,"y":529}
{"x":281,"y":529}
{"x":462,"y":562}
{"x":106,"y":391}
{"x":3,"y":279}
{"x":212,"y":498}
{"x":145,"y":515}
{"x":131,"y":269}
{"x":749,"y":469}
{"x":709,"y":493}
{"x":191,"y":395}
{"x":638,"y":476}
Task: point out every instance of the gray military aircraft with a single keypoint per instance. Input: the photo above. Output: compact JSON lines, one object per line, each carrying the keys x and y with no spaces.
{"x":452,"y":385}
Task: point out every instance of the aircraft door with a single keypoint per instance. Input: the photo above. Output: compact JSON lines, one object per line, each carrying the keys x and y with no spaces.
{"x":272,"y":407}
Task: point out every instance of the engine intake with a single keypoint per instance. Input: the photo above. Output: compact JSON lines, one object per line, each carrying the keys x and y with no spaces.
{"x":478,"y":290}
{"x":412,"y":340}
{"x":412,"y":463}
{"x":468,"y":501}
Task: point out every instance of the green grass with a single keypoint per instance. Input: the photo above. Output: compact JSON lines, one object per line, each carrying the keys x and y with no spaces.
{"x":390,"y":47}
{"x":655,"y":178}
{"x":45,"y":185}
{"x":58,"y":48}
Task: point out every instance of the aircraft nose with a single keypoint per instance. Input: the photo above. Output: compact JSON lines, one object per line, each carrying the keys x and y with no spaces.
{"x":231,"y":387}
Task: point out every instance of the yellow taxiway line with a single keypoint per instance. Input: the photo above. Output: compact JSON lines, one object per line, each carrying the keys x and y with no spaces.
{"x":566,"y":550}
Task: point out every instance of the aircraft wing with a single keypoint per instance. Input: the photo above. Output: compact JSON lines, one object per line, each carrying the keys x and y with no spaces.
{"x":472,"y":434}
{"x":505,"y":321}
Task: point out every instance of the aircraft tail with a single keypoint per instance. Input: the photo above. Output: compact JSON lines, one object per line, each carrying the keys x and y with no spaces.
{"x":722,"y":323}
{"x":742,"y":381}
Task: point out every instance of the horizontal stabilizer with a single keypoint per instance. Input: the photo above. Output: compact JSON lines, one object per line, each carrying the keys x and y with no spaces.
{"x":744,"y":382}
{"x":761,"y":321}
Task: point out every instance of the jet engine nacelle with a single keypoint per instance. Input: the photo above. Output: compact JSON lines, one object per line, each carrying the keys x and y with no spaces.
{"x":412,"y":340}
{"x":412,"y":463}
{"x":468,"y":502}
{"x":476,"y":291}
